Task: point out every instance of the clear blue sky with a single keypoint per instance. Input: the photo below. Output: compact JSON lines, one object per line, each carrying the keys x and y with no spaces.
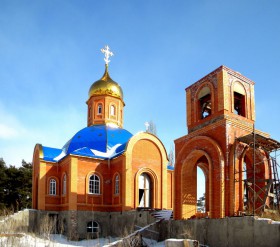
{"x":50,"y":55}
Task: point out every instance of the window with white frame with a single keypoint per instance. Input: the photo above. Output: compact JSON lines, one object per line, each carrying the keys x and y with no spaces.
{"x":92,"y":227}
{"x":64,"y":185}
{"x":52,"y":188}
{"x":117,"y":185}
{"x":94,"y":184}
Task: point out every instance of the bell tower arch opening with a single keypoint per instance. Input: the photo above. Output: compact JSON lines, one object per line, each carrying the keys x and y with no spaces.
{"x":257,"y":176}
{"x":243,"y":182}
{"x":244,"y":188}
{"x":239,"y":99}
{"x":204,"y":102}
{"x":201,"y":188}
{"x":195,"y":169}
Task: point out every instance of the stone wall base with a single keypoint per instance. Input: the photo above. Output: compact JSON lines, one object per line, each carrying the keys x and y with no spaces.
{"x":74,"y":224}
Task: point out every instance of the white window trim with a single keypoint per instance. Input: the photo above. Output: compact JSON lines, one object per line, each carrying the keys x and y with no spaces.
{"x":94,"y":188}
{"x":52,"y":188}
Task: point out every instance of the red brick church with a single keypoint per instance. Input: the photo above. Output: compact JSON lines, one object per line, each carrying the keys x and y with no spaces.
{"x":103,"y":168}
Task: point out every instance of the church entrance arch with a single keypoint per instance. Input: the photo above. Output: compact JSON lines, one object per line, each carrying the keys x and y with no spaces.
{"x":145,"y":191}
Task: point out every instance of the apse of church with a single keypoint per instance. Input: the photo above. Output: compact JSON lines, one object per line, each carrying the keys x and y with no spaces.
{"x":103,"y":167}
{"x":220,"y":121}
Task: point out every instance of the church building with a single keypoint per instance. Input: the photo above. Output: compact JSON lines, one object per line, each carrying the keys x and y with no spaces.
{"x":104,"y":176}
{"x":103,"y":169}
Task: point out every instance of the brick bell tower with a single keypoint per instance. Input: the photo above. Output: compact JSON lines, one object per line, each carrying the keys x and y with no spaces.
{"x":220,"y":110}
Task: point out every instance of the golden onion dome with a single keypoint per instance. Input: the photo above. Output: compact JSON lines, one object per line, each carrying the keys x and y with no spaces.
{"x":106,"y":86}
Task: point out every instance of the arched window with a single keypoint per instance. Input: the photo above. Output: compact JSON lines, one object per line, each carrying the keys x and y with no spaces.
{"x":117,"y":185}
{"x":239,"y":99}
{"x":99,"y":108}
{"x":239,"y":102}
{"x":205,"y":107}
{"x":92,"y":227}
{"x":52,"y":187}
{"x":112,"y":110}
{"x":64,"y":184}
{"x":94,"y":184}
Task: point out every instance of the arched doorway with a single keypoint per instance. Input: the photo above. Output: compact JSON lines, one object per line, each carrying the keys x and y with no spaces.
{"x":201,"y":191}
{"x":253,"y":184}
{"x":211,"y":160}
{"x":145,"y":191}
{"x":190,"y":182}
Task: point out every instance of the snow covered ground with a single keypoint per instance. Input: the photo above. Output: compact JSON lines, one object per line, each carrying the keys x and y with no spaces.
{"x":26,"y":240}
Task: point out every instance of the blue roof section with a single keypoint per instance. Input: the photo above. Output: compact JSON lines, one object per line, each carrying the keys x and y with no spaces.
{"x":97,"y":141}
{"x":50,"y":153}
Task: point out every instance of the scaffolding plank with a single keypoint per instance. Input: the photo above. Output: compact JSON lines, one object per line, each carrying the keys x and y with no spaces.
{"x":266,"y":143}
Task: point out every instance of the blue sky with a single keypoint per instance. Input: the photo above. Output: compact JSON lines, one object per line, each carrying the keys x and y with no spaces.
{"x":50,"y":55}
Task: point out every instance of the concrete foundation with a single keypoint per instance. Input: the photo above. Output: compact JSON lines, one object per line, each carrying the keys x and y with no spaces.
{"x":227,"y":232}
{"x":74,"y":223}
{"x":181,"y":243}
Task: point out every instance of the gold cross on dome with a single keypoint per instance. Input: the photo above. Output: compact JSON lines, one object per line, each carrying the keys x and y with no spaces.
{"x":107,"y":54}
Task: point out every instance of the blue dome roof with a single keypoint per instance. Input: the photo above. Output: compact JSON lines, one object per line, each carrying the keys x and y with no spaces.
{"x":97,"y":141}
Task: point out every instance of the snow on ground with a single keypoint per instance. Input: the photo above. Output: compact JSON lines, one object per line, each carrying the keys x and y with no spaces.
{"x":26,"y":240}
{"x":55,"y":241}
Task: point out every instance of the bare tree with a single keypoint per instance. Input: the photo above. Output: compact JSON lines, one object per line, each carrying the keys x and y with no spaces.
{"x":151,"y":127}
{"x":171,"y":156}
{"x":47,"y":226}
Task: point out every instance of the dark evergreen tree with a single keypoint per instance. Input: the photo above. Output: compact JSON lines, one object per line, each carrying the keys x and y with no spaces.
{"x":15,"y":186}
{"x":3,"y":180}
{"x":201,"y":203}
{"x":12,"y":188}
{"x":26,"y":188}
